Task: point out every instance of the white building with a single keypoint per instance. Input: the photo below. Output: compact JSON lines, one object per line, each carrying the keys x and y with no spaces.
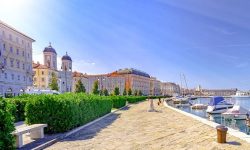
{"x":15,"y":61}
{"x":169,"y":88}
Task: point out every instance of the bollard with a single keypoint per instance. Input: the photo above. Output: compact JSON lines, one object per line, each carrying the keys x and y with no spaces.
{"x":221,"y":134}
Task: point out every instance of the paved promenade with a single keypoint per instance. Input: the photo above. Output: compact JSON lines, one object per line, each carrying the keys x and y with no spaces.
{"x":137,"y":129}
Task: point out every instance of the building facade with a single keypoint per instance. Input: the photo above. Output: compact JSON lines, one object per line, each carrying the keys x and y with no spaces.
{"x":106,"y":81}
{"x":135,"y":80}
{"x":80,"y":76}
{"x":15,"y":61}
{"x":219,"y":92}
{"x":43,"y":72}
{"x":169,"y":88}
{"x":155,"y":86}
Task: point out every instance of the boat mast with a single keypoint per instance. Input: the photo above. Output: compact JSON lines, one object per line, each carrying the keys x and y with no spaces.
{"x":184,"y":77}
{"x":182,"y":93}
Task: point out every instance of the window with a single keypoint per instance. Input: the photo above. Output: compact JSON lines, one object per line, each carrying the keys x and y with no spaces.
{"x":11,"y":49}
{"x":18,"y":77}
{"x":23,"y":66}
{"x":23,"y":54}
{"x":12,"y":63}
{"x":17,"y":51}
{"x":17,"y":40}
{"x":24,"y":78}
{"x":12,"y":76}
{"x":10,"y":37}
{"x":42,"y":79}
{"x":0,"y":53}
{"x":5,"y":61}
{"x":28,"y":55}
{"x":42,"y":72}
{"x":18,"y":64}
{"x":5,"y":75}
{"x":22,"y":42}
{"x":4,"y":46}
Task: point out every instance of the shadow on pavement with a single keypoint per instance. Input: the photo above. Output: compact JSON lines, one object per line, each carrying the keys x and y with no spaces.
{"x":234,"y":143}
{"x":92,"y":130}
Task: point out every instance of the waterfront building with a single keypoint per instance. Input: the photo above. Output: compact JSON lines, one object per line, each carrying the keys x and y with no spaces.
{"x":169,"y":88}
{"x":155,"y":86}
{"x":135,"y":80}
{"x":106,"y":81}
{"x":15,"y":61}
{"x":219,"y":92}
{"x":43,"y":72}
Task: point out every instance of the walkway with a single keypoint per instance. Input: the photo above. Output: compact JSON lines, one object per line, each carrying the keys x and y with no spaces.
{"x":136,"y":129}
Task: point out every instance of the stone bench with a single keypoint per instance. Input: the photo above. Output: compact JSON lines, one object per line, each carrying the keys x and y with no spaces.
{"x":36,"y":132}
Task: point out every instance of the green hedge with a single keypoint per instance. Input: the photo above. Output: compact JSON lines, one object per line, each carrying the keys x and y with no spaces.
{"x":20,"y":102}
{"x":135,"y":99}
{"x":118,"y":101}
{"x":6,"y":124}
{"x":66,"y":111}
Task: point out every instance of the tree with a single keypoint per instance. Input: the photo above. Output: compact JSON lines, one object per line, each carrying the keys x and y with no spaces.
{"x":116,"y":91}
{"x":105,"y":92}
{"x":54,"y":85}
{"x":129,"y":92}
{"x":101,"y":92}
{"x":140,"y":93}
{"x":135,"y":93}
{"x":80,"y":87}
{"x":95,"y":90}
{"x":124,"y":92}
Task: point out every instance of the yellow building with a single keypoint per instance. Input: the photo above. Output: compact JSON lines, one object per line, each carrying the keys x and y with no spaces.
{"x":43,"y":72}
{"x":42,"y":76}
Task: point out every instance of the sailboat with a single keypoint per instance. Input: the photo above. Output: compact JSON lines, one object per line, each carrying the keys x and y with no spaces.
{"x":182,"y":100}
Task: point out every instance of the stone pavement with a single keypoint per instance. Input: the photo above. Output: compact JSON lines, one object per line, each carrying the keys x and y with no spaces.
{"x":135,"y":128}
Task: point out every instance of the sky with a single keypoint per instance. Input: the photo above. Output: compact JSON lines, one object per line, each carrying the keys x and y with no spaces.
{"x":207,"y":40}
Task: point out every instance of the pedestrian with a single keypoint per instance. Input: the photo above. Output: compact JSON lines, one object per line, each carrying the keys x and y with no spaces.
{"x":247,"y":123}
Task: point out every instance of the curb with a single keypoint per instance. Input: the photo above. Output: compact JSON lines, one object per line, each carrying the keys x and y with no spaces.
{"x":51,"y":142}
{"x":231,"y":131}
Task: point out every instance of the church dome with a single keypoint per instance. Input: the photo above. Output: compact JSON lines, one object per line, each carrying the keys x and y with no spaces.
{"x":49,"y":49}
{"x":66,"y":57}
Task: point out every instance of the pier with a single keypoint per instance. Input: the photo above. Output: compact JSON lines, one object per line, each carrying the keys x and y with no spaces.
{"x":136,"y":128}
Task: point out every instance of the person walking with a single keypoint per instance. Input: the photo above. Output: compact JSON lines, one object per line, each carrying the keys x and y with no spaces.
{"x":248,"y":123}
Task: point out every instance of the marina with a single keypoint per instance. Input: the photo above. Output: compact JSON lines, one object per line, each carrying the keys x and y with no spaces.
{"x":233,"y":118}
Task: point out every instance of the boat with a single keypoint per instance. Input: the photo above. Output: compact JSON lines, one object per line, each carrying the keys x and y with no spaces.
{"x":199,"y":106}
{"x":242,"y":94}
{"x":180,"y":100}
{"x":237,"y":112}
{"x":218,"y":105}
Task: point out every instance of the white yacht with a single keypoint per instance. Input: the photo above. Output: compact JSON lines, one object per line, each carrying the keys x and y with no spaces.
{"x":237,"y":112}
{"x":218,"y":105}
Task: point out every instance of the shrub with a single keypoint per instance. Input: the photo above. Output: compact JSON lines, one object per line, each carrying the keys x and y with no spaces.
{"x":6,"y":124}
{"x":118,"y":101}
{"x":20,"y":102}
{"x":135,"y":99}
{"x":66,"y":111}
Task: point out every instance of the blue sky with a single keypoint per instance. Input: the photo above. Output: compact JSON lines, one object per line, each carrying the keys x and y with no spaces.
{"x":208,"y":41}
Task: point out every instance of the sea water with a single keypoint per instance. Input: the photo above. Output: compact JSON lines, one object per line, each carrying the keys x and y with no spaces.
{"x":235,"y":124}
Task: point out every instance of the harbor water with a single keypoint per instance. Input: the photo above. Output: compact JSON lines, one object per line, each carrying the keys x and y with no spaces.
{"x":218,"y":118}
